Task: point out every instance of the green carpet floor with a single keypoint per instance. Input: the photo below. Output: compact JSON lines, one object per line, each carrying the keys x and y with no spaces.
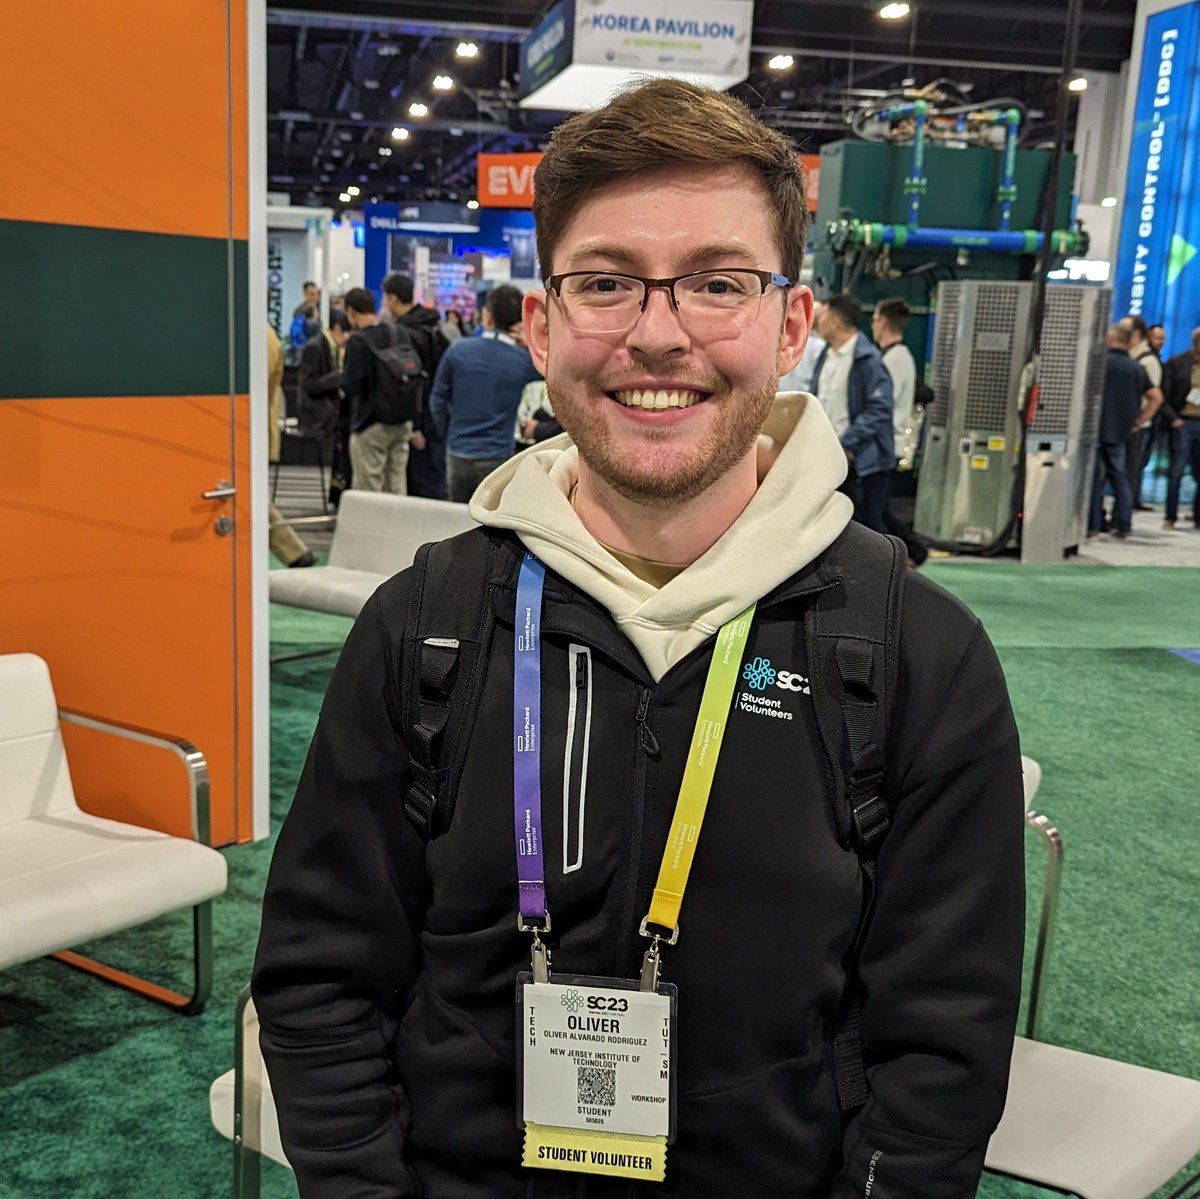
{"x":103,"y":1096}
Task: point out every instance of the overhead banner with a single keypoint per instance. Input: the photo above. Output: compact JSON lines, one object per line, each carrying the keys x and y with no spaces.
{"x":584,"y":50}
{"x":1158,"y":258}
{"x":505,"y":180}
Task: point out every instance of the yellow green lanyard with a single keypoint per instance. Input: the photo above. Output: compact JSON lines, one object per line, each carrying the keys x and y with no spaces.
{"x":694,"y":791}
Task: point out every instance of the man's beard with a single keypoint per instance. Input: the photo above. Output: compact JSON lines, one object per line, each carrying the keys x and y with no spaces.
{"x":670,"y":475}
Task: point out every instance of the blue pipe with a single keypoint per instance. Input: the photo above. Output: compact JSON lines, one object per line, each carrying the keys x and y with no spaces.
{"x":1008,"y":191}
{"x":1010,"y":241}
{"x":916,"y":183}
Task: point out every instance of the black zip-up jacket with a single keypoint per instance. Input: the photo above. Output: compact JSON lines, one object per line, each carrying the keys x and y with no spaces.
{"x":1177,"y":384}
{"x":386,"y":967}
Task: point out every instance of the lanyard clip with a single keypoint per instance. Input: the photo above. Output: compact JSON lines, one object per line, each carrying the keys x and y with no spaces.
{"x":652,"y":960}
{"x":540,"y":957}
{"x":539,"y":952}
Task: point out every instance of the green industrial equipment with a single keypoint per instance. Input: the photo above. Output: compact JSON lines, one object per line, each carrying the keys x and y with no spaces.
{"x":895,"y":218}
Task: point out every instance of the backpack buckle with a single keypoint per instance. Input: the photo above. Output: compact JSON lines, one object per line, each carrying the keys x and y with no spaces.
{"x":419,"y":804}
{"x":871,"y":820}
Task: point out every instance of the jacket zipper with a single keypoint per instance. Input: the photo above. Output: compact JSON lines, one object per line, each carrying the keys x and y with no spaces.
{"x":649,"y":745}
{"x":575,"y":762}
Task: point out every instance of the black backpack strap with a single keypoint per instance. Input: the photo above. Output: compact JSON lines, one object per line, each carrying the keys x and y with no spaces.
{"x":854,"y":657}
{"x":448,"y":637}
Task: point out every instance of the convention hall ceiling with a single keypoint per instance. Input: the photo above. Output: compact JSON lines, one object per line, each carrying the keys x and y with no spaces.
{"x":338,"y":83}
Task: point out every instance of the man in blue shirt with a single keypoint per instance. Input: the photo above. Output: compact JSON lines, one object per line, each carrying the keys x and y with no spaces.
{"x":476,"y":392}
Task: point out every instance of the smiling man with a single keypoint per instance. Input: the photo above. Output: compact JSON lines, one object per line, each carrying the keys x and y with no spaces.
{"x":599,"y":881}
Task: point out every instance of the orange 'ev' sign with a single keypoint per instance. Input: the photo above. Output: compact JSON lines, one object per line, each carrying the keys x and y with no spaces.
{"x":506,"y":180}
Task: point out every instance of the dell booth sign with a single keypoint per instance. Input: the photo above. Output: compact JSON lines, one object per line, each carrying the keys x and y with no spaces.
{"x":1158,"y":268}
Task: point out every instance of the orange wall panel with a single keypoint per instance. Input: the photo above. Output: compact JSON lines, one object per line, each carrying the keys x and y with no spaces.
{"x":111,"y":570}
{"x":118,"y":115}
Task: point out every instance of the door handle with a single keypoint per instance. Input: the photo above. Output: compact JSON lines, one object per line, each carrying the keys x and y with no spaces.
{"x":224,"y":490}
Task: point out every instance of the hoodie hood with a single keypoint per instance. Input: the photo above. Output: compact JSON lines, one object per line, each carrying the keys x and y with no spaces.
{"x":421,"y":317}
{"x":796,"y":513}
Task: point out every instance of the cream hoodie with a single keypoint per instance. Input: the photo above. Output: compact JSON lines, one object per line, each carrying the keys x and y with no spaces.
{"x":795,"y":514}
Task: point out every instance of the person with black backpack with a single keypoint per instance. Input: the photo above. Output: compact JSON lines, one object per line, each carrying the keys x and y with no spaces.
{"x":385,"y":386}
{"x":427,"y":452}
{"x":662,"y":836}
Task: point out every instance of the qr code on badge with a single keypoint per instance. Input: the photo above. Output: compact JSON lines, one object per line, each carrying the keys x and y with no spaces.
{"x":597,"y":1086}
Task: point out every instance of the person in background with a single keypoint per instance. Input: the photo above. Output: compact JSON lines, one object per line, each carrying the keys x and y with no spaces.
{"x":283,"y":540}
{"x":855,"y":390}
{"x":535,"y":416}
{"x":320,"y":379}
{"x":378,"y":447}
{"x":1141,"y":440}
{"x":322,"y":408}
{"x":1181,"y":410}
{"x":452,"y":326}
{"x":800,"y":378}
{"x":1156,"y":335}
{"x":888,"y":322}
{"x":427,"y":451}
{"x":1130,"y":401}
{"x":476,"y":393}
{"x":312,"y":298}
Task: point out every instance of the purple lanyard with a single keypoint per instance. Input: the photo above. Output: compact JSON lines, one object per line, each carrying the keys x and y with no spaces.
{"x":527,"y":719}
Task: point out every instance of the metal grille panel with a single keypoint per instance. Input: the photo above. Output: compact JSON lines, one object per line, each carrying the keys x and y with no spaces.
{"x":945,"y":347}
{"x":990,"y":385}
{"x":1059,"y":358}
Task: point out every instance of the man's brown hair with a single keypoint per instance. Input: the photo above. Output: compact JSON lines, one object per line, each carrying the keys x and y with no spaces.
{"x":666,"y":122}
{"x":896,"y":312}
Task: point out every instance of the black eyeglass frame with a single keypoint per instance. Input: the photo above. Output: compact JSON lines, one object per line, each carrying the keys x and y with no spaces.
{"x":766,"y":279}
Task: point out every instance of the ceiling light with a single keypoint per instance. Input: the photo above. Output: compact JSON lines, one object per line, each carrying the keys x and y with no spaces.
{"x":442,"y":83}
{"x":472,"y":204}
{"x":400,"y":134}
{"x":1078,"y":84}
{"x":386,"y":151}
{"x":467,"y":50}
{"x":417,"y":109}
{"x":781,"y":62}
{"x":893,"y":12}
{"x":353,"y":190}
{"x":371,"y":84}
{"x":344,"y":197}
{"x":1109,"y":202}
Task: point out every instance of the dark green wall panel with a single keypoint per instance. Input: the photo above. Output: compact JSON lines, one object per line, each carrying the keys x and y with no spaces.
{"x":108,"y":312}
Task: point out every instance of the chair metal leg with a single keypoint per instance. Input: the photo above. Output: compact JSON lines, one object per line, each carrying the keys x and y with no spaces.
{"x":1037,"y":988}
{"x":202,"y":961}
{"x":247,"y":1163}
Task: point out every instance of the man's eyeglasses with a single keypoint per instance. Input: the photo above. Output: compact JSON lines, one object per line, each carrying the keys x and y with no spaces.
{"x":706,"y":301}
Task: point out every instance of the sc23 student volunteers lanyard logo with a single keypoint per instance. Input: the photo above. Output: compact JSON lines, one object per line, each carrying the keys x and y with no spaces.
{"x":596,"y":1072}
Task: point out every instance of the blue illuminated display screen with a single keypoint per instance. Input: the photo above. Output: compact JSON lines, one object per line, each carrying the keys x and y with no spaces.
{"x":1158,"y":263}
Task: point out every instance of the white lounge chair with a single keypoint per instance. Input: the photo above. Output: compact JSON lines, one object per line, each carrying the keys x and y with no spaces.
{"x":67,"y":877}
